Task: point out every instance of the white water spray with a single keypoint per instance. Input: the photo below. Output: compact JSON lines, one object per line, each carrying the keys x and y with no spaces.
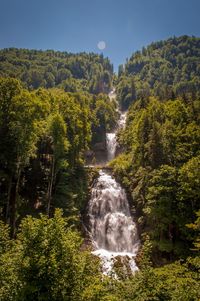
{"x":111,"y":139}
{"x":113,"y":231}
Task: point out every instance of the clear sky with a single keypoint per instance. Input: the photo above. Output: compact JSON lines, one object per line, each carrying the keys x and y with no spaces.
{"x":79,"y":25}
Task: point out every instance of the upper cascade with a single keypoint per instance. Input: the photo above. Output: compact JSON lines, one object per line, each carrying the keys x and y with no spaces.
{"x":111,"y":137}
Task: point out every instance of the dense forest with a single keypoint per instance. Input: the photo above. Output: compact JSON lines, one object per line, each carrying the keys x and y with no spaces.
{"x":48,"y":69}
{"x":54,"y":112}
{"x":164,"y":69}
{"x":44,"y":136}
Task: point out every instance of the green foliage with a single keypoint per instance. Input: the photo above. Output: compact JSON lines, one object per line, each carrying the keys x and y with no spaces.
{"x":45,"y":134}
{"x":46,"y":263}
{"x":105,"y":118}
{"x":160,"y":168}
{"x":72,"y":72}
{"x":160,"y":163}
{"x":4,"y":238}
{"x":9,"y":260}
{"x":165,"y":69}
{"x":189,"y":178}
{"x":196,"y":227}
{"x":57,"y":132}
{"x":162,"y":210}
{"x":125,"y":92}
{"x":172,"y":282}
{"x":49,"y":258}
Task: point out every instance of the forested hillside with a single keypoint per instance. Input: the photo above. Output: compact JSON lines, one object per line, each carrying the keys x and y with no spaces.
{"x":160,"y":167}
{"x":44,"y":135}
{"x":161,"y":159}
{"x":54,"y":110}
{"x":164,"y":69}
{"x":47,"y":69}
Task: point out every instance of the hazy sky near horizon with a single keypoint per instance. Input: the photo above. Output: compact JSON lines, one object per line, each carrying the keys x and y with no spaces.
{"x":119,"y":27}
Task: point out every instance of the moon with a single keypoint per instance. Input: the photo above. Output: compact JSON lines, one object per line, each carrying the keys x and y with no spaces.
{"x":101,"y":45}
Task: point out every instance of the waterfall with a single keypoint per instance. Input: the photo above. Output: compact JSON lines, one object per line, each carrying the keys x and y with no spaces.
{"x":111,"y":144}
{"x":122,"y":120}
{"x":111,"y":140}
{"x":112,"y":229}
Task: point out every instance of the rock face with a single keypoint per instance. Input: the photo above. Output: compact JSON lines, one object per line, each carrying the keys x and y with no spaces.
{"x":100,"y":146}
{"x":97,"y":155}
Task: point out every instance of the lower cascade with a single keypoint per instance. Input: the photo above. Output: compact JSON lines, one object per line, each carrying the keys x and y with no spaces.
{"x":113,"y":231}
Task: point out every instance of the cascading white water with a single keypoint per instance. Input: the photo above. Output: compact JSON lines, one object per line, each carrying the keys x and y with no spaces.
{"x":111,"y":140}
{"x":111,"y":143}
{"x":122,"y":120}
{"x":112,"y":228}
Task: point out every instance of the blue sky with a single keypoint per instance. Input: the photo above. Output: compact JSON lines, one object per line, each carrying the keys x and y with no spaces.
{"x":78,"y":25}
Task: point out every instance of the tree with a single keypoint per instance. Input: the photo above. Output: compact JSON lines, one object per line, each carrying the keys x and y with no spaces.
{"x":161,"y":207}
{"x":46,"y":263}
{"x":57,"y":132}
{"x":196,"y":227}
{"x":21,"y":129}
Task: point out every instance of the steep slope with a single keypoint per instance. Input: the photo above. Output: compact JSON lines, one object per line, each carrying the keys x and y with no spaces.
{"x":165,"y":69}
{"x":72,"y":72}
{"x":161,"y":160}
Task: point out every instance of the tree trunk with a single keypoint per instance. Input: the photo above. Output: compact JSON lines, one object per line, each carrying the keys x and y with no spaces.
{"x":7,"y":216}
{"x":13,"y":201}
{"x":50,"y":186}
